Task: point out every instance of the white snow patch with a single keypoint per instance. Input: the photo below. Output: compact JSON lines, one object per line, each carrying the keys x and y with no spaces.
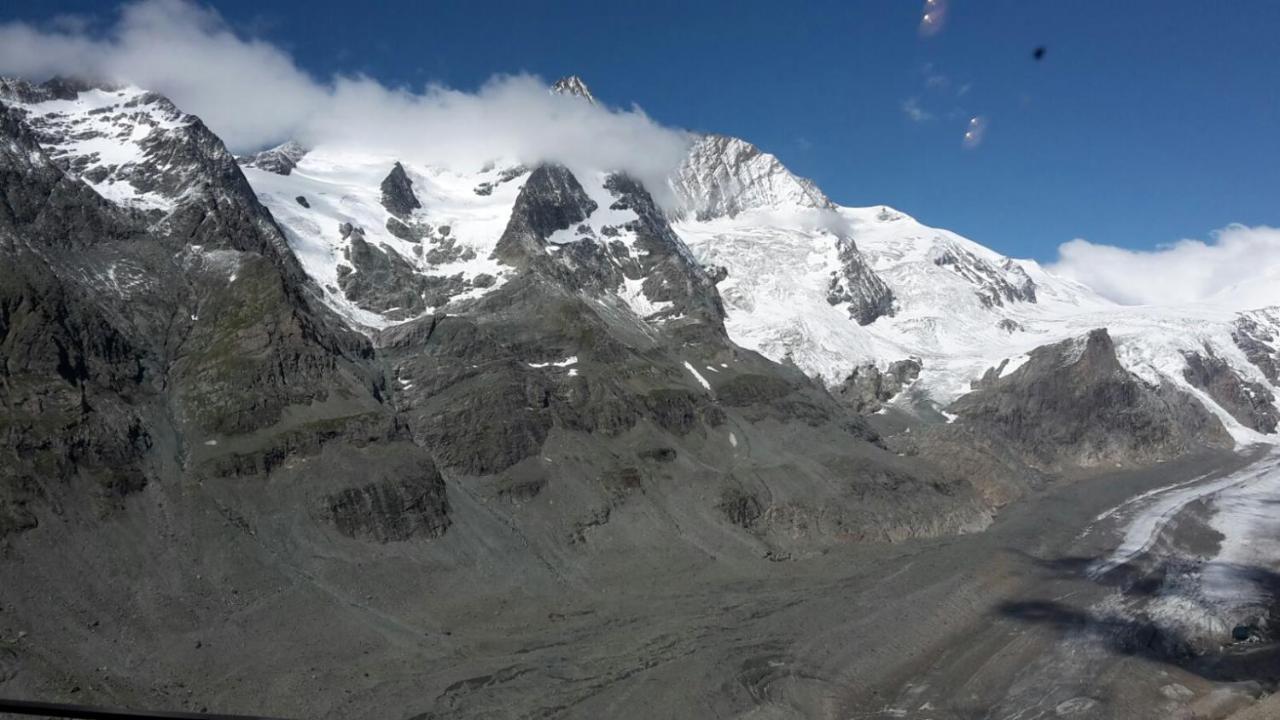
{"x":571,"y":360}
{"x":698,"y":376}
{"x":1014,"y":364}
{"x":632,"y":293}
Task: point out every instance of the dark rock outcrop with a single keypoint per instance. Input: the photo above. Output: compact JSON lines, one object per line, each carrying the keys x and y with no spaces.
{"x":1251,"y":403}
{"x":993,"y":285}
{"x":397,"y":193}
{"x":552,"y":199}
{"x":867,"y":389}
{"x":1072,"y":405}
{"x":407,"y":502}
{"x":669,"y":271}
{"x":1010,"y":326}
{"x":741,"y":508}
{"x":1260,"y":344}
{"x":382,"y":280}
{"x":868,"y":296}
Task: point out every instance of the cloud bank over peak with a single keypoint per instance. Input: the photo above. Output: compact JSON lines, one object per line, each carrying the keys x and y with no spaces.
{"x":253,"y":94}
{"x":1238,"y":267}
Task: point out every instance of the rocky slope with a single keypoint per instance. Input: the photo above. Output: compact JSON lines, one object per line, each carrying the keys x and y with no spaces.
{"x":1073,"y":405}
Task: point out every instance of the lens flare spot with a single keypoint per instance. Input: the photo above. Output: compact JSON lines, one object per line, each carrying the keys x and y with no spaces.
{"x":975,"y":131}
{"x":933,"y":17}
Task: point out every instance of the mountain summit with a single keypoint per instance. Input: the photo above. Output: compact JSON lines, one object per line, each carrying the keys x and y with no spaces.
{"x":573,"y":85}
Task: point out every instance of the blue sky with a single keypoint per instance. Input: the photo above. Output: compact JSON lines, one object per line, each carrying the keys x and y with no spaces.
{"x":1146,"y":122}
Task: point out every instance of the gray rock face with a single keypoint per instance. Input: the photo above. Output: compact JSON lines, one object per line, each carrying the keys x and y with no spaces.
{"x":486,"y":390}
{"x":411,"y":231}
{"x":552,"y":199}
{"x":1010,"y":326}
{"x":57,"y":88}
{"x":1073,"y":405}
{"x":1260,"y":345}
{"x":670,"y":272}
{"x":397,"y":193}
{"x":1251,"y":403}
{"x":856,"y":283}
{"x":407,"y":502}
{"x":382,"y":281}
{"x":281,"y":159}
{"x":993,"y":285}
{"x":867,"y":389}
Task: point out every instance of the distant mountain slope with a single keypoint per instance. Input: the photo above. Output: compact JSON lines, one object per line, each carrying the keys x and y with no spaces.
{"x":832,"y":289}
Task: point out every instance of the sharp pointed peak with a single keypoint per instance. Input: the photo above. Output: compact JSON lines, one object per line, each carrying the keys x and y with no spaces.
{"x":573,"y":85}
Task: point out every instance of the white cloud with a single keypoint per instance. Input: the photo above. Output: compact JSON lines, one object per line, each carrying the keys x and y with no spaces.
{"x":911,"y":108}
{"x":253,"y":94}
{"x":1239,"y":266}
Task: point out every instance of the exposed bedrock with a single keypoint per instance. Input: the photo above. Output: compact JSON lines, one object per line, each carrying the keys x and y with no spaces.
{"x":1072,"y":405}
{"x":1251,"y":403}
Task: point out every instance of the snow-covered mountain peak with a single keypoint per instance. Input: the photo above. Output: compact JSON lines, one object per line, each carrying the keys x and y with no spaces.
{"x":792,"y":276}
{"x":124,"y":142}
{"x":573,"y":85}
{"x":723,"y":176}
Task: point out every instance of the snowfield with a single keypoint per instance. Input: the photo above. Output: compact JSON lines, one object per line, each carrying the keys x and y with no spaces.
{"x":342,"y":187}
{"x":780,"y":260}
